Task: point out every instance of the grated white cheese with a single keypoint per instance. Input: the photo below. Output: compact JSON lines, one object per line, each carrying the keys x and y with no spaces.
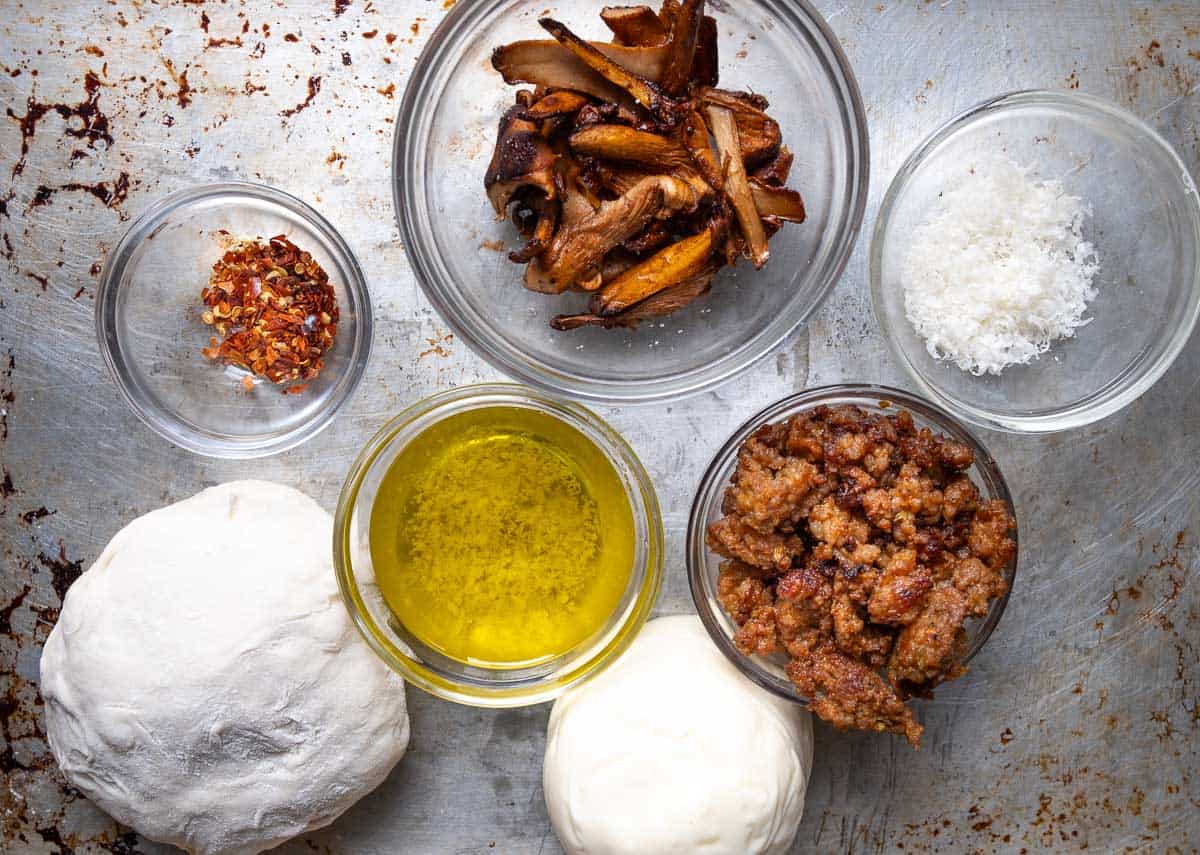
{"x":1000,"y":270}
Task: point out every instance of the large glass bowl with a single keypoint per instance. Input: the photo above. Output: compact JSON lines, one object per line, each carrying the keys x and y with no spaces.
{"x":703,"y":564}
{"x":445,"y":133}
{"x":148,"y":321}
{"x":1145,"y":225}
{"x":449,"y":678}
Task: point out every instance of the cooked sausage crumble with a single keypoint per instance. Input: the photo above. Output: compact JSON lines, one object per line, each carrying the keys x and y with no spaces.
{"x":856,"y":543}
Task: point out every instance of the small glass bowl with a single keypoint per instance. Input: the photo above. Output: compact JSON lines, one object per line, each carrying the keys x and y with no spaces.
{"x":703,"y":564}
{"x":1145,"y":225}
{"x":445,"y":135}
{"x":148,"y":321}
{"x":448,"y":678}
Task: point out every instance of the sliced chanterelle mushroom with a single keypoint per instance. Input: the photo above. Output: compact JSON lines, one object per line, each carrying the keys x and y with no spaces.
{"x":522,"y":158}
{"x":664,"y":109}
{"x":685,"y":34}
{"x":775,"y":172}
{"x":667,"y":268}
{"x":737,"y":187}
{"x":648,"y":151}
{"x":563,"y":102}
{"x":546,"y":63}
{"x":576,"y":253}
{"x":665,"y":302}
{"x":779,"y":202}
{"x":635,"y":25}
{"x":758,"y":134}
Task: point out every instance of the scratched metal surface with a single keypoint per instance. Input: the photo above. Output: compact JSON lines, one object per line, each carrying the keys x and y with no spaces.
{"x":1077,"y":727}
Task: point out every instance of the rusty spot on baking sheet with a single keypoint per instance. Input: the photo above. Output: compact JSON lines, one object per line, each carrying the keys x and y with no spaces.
{"x":7,"y":396}
{"x":314,"y":86}
{"x":336,"y":158}
{"x":63,"y":572}
{"x":44,"y":281}
{"x":1072,"y":80}
{"x":1006,"y":736}
{"x":390,"y":38}
{"x":436,"y":345}
{"x":110,"y":194}
{"x":236,"y":41}
{"x":184,"y":92}
{"x":388,"y":91}
{"x":8,"y":253}
{"x":95,"y":269}
{"x":291,"y":37}
{"x":6,"y":613}
{"x":496,"y":245}
{"x":204,"y":21}
{"x":78,"y":293}
{"x":7,"y":490}
{"x":340,"y":6}
{"x":446,"y":4}
{"x":370,"y":34}
{"x":415,"y":26}
{"x":93,"y":50}
{"x":93,"y":124}
{"x":346,"y":60}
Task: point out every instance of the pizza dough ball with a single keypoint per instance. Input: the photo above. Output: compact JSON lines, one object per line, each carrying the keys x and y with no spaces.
{"x":672,"y":750}
{"x":204,"y":683}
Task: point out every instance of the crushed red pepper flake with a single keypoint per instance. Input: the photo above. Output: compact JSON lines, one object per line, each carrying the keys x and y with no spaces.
{"x":275,"y":311}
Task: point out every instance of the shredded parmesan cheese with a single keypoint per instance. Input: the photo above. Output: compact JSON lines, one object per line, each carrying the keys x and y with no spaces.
{"x":1000,"y":270}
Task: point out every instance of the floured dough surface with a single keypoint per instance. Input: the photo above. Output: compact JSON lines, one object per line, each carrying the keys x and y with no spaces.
{"x":672,"y":750}
{"x":204,"y":683}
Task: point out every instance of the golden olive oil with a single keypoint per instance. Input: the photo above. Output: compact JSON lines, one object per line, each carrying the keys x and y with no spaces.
{"x":502,"y":536}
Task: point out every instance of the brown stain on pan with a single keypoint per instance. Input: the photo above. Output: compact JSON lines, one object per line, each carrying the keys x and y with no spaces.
{"x":92,"y":125}
{"x":314,"y":86}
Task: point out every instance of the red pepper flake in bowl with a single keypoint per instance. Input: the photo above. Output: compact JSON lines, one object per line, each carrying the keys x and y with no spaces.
{"x":275,"y":310}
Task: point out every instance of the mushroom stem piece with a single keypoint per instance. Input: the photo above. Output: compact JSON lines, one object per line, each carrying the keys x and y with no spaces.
{"x":685,"y":34}
{"x":736,"y":185}
{"x":664,"y":109}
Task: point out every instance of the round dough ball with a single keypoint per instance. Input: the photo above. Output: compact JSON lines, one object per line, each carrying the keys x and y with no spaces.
{"x":672,"y":750}
{"x":204,"y":683}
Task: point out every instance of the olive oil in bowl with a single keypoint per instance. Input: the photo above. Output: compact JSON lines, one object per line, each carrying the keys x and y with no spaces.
{"x":502,"y":537}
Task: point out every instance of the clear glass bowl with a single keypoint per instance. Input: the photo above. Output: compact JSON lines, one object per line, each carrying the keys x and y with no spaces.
{"x":148,"y":322}
{"x":703,"y":564}
{"x":1145,"y":226}
{"x":448,"y":678}
{"x":445,"y":133}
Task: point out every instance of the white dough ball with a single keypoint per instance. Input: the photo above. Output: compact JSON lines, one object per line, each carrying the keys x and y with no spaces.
{"x":204,"y":683}
{"x":672,"y":750}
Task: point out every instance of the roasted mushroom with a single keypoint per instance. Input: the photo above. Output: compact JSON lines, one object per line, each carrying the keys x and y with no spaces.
{"x":737,"y":186}
{"x":574,"y":256}
{"x":522,"y":158}
{"x":635,"y":25}
{"x":634,"y":178}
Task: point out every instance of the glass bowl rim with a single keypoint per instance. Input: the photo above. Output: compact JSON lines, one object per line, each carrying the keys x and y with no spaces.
{"x":166,"y":423}
{"x":570,"y":673}
{"x":511,"y":360}
{"x":1075,"y":415}
{"x":712,"y":486}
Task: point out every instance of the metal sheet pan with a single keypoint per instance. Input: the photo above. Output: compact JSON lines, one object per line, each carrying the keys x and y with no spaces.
{"x":1078,"y":726}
